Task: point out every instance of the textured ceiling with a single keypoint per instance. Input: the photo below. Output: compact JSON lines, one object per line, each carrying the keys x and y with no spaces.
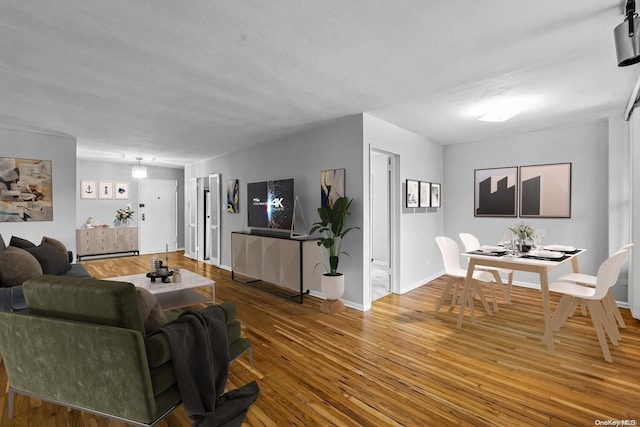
{"x":183,"y":80}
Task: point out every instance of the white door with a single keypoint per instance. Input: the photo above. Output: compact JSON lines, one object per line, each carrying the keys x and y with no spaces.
{"x":191,"y":247}
{"x":381,"y":165}
{"x":213,"y":220}
{"x":158,"y":215}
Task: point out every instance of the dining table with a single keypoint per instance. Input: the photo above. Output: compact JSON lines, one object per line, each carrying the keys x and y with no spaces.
{"x":520,"y":262}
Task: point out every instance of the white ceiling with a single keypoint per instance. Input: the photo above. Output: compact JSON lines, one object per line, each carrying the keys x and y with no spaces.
{"x":183,"y":80}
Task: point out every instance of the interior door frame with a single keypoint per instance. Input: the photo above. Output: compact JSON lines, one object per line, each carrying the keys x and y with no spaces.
{"x":393,"y":215}
{"x":213,"y":219}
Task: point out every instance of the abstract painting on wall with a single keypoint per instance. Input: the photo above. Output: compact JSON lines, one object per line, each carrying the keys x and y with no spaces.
{"x":233,"y":196}
{"x":26,"y":190}
{"x":495,"y":192}
{"x":331,"y":186}
{"x":545,"y":191}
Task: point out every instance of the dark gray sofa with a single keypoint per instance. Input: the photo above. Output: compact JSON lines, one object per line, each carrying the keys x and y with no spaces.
{"x":12,"y":297}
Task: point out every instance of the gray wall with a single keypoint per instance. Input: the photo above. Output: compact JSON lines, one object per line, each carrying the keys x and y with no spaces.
{"x":332,"y":145}
{"x":585,"y":146}
{"x":105,"y":210}
{"x":62,"y":152}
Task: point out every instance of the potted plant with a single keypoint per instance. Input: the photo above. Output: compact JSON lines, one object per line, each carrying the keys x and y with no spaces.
{"x":332,"y":226}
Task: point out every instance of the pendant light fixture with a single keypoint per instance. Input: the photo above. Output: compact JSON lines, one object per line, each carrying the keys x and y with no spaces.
{"x":627,"y":37}
{"x":139,"y":171}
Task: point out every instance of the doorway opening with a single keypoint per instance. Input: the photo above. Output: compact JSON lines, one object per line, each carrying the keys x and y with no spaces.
{"x":382,"y":176}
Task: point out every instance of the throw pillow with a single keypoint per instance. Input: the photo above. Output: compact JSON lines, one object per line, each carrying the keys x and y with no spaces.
{"x":58,"y":244}
{"x":17,"y":266}
{"x":152,"y":315}
{"x":19,"y":242}
{"x":50,"y":258}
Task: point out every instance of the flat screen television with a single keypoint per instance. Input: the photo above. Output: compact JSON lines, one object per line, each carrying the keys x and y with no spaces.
{"x":270,"y":204}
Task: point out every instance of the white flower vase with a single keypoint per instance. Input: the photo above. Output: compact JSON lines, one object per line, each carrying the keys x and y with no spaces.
{"x":332,"y":289}
{"x":124,"y":222}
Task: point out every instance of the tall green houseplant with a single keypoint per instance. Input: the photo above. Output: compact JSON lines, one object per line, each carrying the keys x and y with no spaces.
{"x":332,"y":225}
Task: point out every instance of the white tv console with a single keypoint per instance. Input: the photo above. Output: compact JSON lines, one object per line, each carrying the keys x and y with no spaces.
{"x":280,"y":260}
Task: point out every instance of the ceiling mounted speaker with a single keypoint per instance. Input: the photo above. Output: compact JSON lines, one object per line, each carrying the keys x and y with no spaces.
{"x":627,"y":37}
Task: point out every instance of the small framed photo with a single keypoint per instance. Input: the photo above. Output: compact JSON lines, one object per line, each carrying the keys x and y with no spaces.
{"x":425,"y":194}
{"x":435,"y":195}
{"x":88,"y":190}
{"x":105,"y":190}
{"x":121,"y":190}
{"x":412,"y":193}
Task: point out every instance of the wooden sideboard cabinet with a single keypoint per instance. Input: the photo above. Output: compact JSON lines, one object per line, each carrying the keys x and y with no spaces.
{"x":288,"y":263}
{"x":106,"y":241}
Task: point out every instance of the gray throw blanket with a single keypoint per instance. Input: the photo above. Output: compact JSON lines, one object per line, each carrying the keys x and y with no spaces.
{"x":200,"y":356}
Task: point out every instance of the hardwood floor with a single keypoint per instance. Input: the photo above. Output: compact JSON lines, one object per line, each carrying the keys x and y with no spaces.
{"x":399,"y":364}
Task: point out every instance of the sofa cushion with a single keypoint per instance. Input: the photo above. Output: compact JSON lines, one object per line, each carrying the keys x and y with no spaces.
{"x":57,"y":243}
{"x":152,"y":315}
{"x":17,"y":266}
{"x":19,"y":242}
{"x":77,"y":270}
{"x":50,"y":258}
{"x":3,"y":246}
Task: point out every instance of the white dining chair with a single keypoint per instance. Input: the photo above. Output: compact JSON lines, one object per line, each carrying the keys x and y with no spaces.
{"x":457,"y":275}
{"x":471,"y":243}
{"x":609,"y":301}
{"x":574,"y":293}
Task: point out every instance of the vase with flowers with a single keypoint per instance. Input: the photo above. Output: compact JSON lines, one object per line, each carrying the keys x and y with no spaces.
{"x":524,"y":234}
{"x":124,"y":215}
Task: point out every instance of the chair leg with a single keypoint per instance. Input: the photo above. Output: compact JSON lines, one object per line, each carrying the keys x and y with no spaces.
{"x":507,"y":296}
{"x":612,"y":307}
{"x":597,"y":317}
{"x":565,"y":309}
{"x":450,"y":282}
{"x":609,"y":324}
{"x":498,"y":280}
{"x":478,"y":291}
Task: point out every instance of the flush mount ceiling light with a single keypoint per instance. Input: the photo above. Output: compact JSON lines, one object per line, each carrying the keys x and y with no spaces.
{"x":139,"y":171}
{"x":627,"y":37}
{"x":501,"y":109}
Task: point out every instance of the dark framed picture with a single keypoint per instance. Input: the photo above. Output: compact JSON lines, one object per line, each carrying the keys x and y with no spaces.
{"x":425,"y":194}
{"x":495,"y":192}
{"x":412,"y":193}
{"x":545,"y":191}
{"x":436,"y":196}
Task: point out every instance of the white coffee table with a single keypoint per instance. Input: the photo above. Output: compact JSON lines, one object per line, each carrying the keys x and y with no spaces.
{"x":174,"y":295}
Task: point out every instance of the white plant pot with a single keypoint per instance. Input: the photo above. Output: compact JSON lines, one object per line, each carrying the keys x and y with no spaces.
{"x":332,"y":289}
{"x":332,"y":286}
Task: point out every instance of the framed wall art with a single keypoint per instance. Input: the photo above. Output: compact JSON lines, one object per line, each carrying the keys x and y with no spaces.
{"x":425,"y":194}
{"x":495,"y":192}
{"x":233,"y":195}
{"x":435,"y":195}
{"x":88,"y":190}
{"x":26,"y":190}
{"x":105,"y":190}
{"x":545,"y":191}
{"x":331,"y":186}
{"x":121,"y":190}
{"x":412,"y":193}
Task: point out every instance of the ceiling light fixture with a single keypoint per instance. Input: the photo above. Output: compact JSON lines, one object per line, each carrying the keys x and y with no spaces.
{"x":139,"y":171}
{"x":627,"y":37}
{"x":501,"y":109}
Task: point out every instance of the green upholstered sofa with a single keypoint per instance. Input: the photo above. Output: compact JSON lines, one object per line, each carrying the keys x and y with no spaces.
{"x":82,"y":344}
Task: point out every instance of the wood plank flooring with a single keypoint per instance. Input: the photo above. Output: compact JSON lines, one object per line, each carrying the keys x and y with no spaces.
{"x":399,"y":364}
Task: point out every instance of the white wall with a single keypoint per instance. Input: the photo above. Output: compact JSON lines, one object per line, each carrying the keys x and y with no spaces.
{"x":62,"y":153}
{"x":418,"y":256}
{"x":332,"y":145}
{"x":584,"y":145}
{"x":105,"y":210}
